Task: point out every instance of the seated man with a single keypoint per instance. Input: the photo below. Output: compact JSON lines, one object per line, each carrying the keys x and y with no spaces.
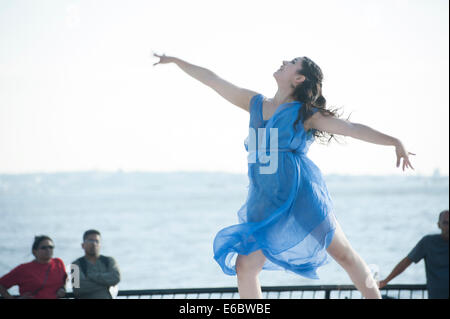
{"x":434,"y":248}
{"x":98,"y":274}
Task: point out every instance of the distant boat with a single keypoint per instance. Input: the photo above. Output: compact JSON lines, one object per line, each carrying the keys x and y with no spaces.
{"x":436,"y":173}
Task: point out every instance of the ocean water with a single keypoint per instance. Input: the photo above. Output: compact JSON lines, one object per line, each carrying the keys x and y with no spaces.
{"x":160,"y":226}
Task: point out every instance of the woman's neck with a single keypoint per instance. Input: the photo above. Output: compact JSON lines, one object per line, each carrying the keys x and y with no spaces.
{"x":281,"y":97}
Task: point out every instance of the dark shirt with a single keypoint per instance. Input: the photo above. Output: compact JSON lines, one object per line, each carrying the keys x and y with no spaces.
{"x":96,"y":282}
{"x":434,"y":248}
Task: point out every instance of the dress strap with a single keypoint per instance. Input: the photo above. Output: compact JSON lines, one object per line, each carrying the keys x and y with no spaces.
{"x":254,"y":101}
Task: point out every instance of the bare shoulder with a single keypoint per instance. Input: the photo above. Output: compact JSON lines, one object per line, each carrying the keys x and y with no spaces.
{"x":243,"y":98}
{"x":232,"y":93}
{"x":247,"y":96}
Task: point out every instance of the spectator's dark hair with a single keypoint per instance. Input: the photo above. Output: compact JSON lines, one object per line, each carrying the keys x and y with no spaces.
{"x":38,"y":240}
{"x":309,"y":92}
{"x":90,"y":232}
{"x":441,"y":214}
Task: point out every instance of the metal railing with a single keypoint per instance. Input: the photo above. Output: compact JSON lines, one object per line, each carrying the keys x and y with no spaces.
{"x":276,"y":292}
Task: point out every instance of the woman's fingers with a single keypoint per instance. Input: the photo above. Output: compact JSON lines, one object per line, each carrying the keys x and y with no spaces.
{"x":404,"y":162}
{"x":154,"y":54}
{"x":403,"y":154}
{"x":160,"y":58}
{"x":409,"y":164}
{"x":163,"y":59}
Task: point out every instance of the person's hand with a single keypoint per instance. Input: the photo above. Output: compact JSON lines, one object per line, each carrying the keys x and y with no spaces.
{"x":402,"y":153}
{"x":163,"y":59}
{"x":382,"y":284}
{"x":61,"y":293}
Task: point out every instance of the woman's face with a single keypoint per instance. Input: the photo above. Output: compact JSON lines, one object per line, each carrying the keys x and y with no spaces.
{"x":287,"y":73}
{"x":44,"y":252}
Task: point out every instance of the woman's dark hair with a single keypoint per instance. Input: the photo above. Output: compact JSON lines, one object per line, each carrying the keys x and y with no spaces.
{"x":38,"y":240}
{"x":310,"y":94}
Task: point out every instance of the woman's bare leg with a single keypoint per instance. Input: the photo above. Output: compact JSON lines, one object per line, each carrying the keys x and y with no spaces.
{"x":248,"y":268}
{"x":353,"y":264}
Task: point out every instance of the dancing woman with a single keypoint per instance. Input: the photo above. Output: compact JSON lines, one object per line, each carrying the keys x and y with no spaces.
{"x":288,"y":221}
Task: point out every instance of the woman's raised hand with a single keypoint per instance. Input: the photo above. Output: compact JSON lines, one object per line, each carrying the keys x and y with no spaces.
{"x":402,"y":153}
{"x":163,"y":59}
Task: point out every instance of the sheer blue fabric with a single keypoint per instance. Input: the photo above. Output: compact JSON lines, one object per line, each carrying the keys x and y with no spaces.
{"x":287,"y":214}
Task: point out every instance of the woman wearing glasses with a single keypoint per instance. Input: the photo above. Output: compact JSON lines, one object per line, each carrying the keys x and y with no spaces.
{"x":43,"y":278}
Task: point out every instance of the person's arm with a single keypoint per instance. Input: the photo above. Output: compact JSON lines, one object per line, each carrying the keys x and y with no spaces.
{"x":108,"y":278}
{"x":236,"y":95}
{"x":11,"y":279}
{"x":61,"y":292}
{"x":401,"y":266}
{"x":4,"y":293}
{"x":362,"y":132}
{"x":86,"y":285}
{"x":415,"y":255}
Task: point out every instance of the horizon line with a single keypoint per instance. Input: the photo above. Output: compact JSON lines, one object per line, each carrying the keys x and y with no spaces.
{"x":122,"y":171}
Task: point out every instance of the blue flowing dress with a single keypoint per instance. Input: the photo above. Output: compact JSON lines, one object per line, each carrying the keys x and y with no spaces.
{"x":288,"y":214}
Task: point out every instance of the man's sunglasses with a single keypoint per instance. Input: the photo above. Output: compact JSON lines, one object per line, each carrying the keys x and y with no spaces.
{"x":46,"y":247}
{"x":92,"y":241}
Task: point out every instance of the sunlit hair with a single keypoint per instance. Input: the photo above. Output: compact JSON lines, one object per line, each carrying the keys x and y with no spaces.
{"x":309,"y":92}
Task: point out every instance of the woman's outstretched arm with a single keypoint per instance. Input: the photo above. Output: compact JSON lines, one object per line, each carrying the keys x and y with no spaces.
{"x":236,"y":95}
{"x":362,"y":132}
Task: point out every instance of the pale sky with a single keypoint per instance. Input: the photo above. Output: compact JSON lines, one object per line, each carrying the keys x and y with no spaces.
{"x":78,"y":90}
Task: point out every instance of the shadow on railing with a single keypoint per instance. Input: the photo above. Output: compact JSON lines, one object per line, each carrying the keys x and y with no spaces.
{"x":276,"y":292}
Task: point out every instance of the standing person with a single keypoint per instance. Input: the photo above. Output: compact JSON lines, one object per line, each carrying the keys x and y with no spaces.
{"x":98,"y":274}
{"x":434,"y":249}
{"x":287,"y":221}
{"x":43,"y":278}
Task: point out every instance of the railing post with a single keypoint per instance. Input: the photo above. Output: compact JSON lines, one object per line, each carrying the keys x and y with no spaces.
{"x":327,"y":294}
